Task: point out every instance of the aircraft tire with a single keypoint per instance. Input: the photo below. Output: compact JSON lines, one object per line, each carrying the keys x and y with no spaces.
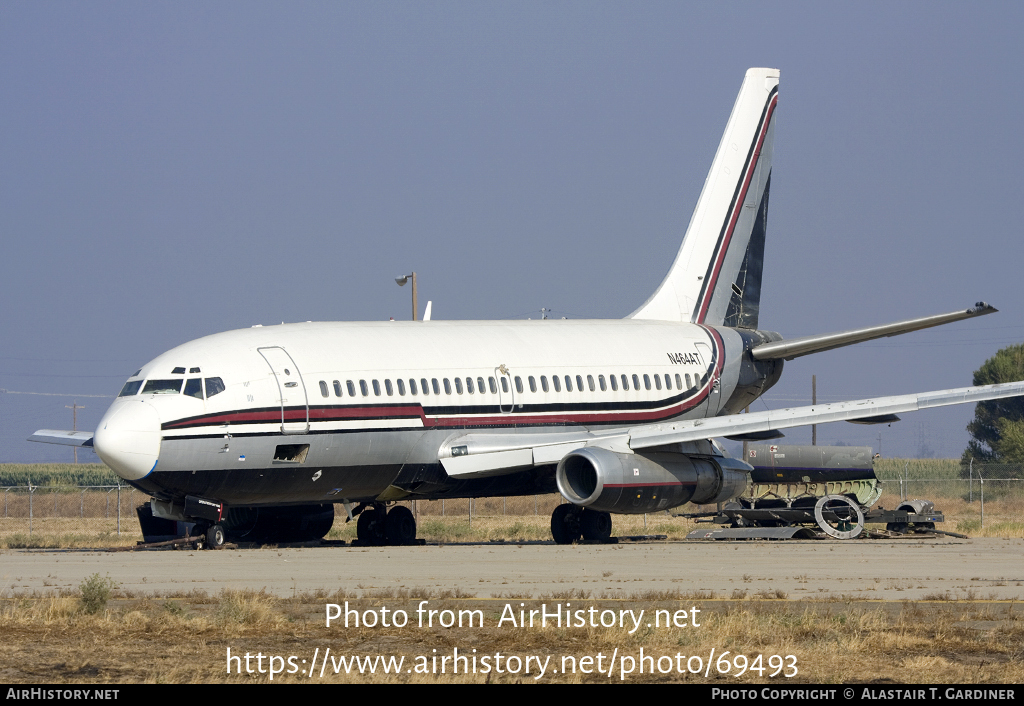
{"x":400,"y":526}
{"x":596,"y":525}
{"x":565,"y":524}
{"x":215,"y":536}
{"x":370,"y":528}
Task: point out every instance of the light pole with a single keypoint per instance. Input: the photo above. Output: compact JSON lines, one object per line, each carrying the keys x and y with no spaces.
{"x":401,"y":283}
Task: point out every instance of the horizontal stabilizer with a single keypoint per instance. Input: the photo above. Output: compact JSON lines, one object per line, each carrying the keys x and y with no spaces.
{"x":796,"y":347}
{"x":64,"y":438}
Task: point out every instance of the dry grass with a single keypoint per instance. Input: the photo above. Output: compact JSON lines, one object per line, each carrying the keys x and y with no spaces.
{"x":185,"y":638}
{"x":77,"y":520}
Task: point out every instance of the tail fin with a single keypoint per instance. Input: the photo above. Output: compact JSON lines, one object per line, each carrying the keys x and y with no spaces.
{"x":716,"y":277}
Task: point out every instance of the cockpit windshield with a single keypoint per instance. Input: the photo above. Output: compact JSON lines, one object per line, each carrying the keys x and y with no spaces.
{"x":214,"y":386}
{"x":193,"y":387}
{"x":162,"y":387}
{"x":130,"y":388}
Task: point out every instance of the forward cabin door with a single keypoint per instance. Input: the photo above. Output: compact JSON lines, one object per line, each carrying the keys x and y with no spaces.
{"x":291,"y":390}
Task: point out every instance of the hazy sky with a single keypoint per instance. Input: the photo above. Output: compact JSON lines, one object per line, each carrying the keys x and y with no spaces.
{"x":172,"y":170}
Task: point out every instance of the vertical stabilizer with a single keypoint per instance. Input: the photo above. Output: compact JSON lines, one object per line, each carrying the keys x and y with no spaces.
{"x":716,"y":276}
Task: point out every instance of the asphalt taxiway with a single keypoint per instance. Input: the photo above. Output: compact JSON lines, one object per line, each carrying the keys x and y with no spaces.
{"x":908,"y":569}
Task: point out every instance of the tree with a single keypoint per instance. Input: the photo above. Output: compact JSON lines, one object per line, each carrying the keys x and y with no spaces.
{"x":997,"y":431}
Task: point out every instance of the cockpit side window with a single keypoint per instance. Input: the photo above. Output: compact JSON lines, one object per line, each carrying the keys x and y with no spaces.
{"x":130,"y":388}
{"x":194,"y":388}
{"x":162,"y":387}
{"x":214,"y":386}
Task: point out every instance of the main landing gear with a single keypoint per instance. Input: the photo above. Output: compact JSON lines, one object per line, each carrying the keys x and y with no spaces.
{"x":569,"y":523}
{"x":377,"y":527}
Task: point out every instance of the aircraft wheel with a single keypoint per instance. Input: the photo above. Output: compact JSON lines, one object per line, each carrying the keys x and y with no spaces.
{"x":370,"y":527}
{"x":400,"y":526}
{"x":215,"y":537}
{"x":565,"y":524}
{"x":596,"y":525}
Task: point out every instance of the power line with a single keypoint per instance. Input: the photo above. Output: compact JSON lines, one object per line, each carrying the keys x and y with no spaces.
{"x":50,"y":394}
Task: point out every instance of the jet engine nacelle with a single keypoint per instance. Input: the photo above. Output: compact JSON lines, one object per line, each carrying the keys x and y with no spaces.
{"x":636,"y":483}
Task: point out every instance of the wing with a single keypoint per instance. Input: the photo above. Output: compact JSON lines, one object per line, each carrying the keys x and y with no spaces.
{"x":478,"y":455}
{"x":65,"y":438}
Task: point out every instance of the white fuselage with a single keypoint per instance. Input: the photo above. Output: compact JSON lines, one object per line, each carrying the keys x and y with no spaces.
{"x":371,"y":398}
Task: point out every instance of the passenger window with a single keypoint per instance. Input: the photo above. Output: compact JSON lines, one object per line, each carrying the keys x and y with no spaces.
{"x":519,"y":385}
{"x":647,"y":381}
{"x":688,"y":385}
{"x":679,"y":382}
{"x":130,"y":388}
{"x":412,"y":386}
{"x":424,"y":386}
{"x":480,"y":385}
{"x":614,"y":382}
{"x":437,"y":388}
{"x":657,"y":382}
{"x":194,"y":388}
{"x":162,"y":387}
{"x":492,"y":385}
{"x":544,"y":383}
{"x":401,"y":386}
{"x":636,"y":382}
{"x":337,"y":388}
{"x":600,"y":380}
{"x":323,"y":389}
{"x":469,"y":385}
{"x":533,"y":383}
{"x":668,"y":381}
{"x":447,"y":386}
{"x":363,"y":388}
{"x":504,"y":384}
{"x":625,"y":383}
{"x":568,"y":384}
{"x":376,"y":388}
{"x":389,"y":388}
{"x":590,"y":382}
{"x":214,"y":386}
{"x":557,"y":383}
{"x":351,"y":388}
{"x":458,"y":385}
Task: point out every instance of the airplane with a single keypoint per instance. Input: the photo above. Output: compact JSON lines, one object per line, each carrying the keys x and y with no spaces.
{"x":262,"y":431}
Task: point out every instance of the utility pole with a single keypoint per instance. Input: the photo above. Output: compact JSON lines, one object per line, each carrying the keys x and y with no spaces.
{"x":74,"y":420}
{"x":814,"y":401}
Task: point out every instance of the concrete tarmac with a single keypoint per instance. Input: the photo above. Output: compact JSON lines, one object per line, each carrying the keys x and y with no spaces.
{"x":908,"y":569}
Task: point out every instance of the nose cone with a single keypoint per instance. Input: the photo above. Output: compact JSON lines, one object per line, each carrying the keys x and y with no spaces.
{"x":128,"y":439}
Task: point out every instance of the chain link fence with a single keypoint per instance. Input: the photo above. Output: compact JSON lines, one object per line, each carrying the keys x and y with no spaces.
{"x":32,"y":514}
{"x":68,"y":516}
